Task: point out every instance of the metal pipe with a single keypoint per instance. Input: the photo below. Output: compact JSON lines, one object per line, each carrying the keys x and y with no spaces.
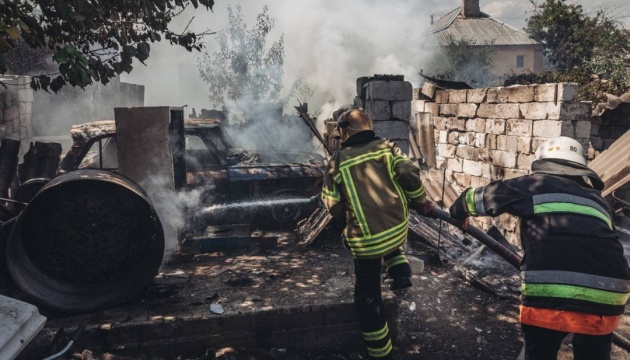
{"x":13,"y":201}
{"x":77,"y":332}
{"x":484,"y":238}
{"x":510,"y":257}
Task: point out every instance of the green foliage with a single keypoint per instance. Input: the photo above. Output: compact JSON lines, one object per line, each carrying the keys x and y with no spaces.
{"x":576,"y":41}
{"x":244,"y":69}
{"x":459,"y":61}
{"x":91,"y":40}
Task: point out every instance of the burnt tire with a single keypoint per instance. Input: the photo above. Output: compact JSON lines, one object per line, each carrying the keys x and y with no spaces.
{"x":285,"y":216}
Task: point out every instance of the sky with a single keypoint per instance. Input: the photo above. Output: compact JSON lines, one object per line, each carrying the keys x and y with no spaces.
{"x":330,"y":43}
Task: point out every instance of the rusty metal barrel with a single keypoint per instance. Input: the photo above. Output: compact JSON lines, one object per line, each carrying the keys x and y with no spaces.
{"x":88,"y":240}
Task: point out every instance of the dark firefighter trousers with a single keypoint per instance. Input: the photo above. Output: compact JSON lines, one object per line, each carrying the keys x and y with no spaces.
{"x":369,"y":303}
{"x":543,"y":344}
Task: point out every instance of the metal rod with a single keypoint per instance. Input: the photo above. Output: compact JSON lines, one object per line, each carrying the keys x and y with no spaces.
{"x":314,"y":130}
{"x":13,"y":201}
{"x":510,"y":257}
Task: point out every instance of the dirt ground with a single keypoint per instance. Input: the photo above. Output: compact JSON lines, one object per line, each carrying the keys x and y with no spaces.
{"x":442,"y":317}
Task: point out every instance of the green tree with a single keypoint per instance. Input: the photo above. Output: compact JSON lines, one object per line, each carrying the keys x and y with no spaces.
{"x":91,"y":40}
{"x":459,"y":61}
{"x":244,"y":68}
{"x":574,"y":39}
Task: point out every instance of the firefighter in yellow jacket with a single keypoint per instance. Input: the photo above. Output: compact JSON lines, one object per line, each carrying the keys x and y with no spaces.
{"x":372,"y":183}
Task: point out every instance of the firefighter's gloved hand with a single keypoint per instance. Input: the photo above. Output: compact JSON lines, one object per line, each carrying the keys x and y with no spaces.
{"x":426,"y":209}
{"x":317,"y":200}
{"x":464,"y":224}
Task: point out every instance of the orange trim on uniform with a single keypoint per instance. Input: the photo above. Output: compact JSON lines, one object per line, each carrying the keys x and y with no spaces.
{"x":569,"y":321}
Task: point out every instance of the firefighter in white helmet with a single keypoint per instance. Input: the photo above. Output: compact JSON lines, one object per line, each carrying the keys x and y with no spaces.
{"x":371,"y":183}
{"x":575,"y":276}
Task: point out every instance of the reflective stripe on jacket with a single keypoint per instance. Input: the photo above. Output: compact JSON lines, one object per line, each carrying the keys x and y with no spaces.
{"x":573,"y":259}
{"x":370,"y":179}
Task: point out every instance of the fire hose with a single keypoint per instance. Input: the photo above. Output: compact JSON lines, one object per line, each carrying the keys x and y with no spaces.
{"x":508,"y":256}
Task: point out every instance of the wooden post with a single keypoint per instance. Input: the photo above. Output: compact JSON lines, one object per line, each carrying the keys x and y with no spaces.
{"x":41,"y":161}
{"x":424,"y":129}
{"x":9,"y":151}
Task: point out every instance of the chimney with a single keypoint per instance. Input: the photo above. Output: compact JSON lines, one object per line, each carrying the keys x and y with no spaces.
{"x":471,"y":8}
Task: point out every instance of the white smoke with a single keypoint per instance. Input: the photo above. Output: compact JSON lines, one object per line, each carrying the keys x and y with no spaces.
{"x":331,"y":43}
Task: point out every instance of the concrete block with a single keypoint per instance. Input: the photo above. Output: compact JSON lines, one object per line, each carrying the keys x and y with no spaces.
{"x":469,"y":152}
{"x":358,"y":102}
{"x":477,"y":181}
{"x":377,"y":90}
{"x":594,"y":130}
{"x":519,"y":127}
{"x":446,"y":150}
{"x":467,"y":110}
{"x":418,"y":106}
{"x":439,"y":123}
{"x":453,"y":138}
{"x":487,"y":111}
{"x":508,"y":111}
{"x":502,"y":94}
{"x":473,"y":168}
{"x":441,"y":96}
{"x":417,"y":94}
{"x":436,"y":134}
{"x":492,"y":96}
{"x":455,"y":165}
{"x":553,"y":110}
{"x":545,"y":93}
{"x":417,"y":265}
{"x":429,"y":90}
{"x":504,"y":159}
{"x":497,"y":172}
{"x":524,"y":145}
{"x":456,"y":124}
{"x":467,"y":138}
{"x":11,"y":114}
{"x":486,"y":171}
{"x":514,"y":173}
{"x":463,"y":179}
{"x":495,"y":126}
{"x":440,"y":162}
{"x":25,"y":95}
{"x":491,"y":141}
{"x":480,"y":140}
{"x":443,"y":137}
{"x":568,"y":129}
{"x":597,"y":142}
{"x":476,"y":125}
{"x":520,"y":94}
{"x":378,"y":110}
{"x":525,"y":161}
{"x":457,"y":96}
{"x":393,"y":129}
{"x":477,"y":96}
{"x":403,"y":144}
{"x":400,"y":91}
{"x":401,"y":110}
{"x":534,"y":111}
{"x":448,"y":109}
{"x":583,"y":129}
{"x":547,"y":128}
{"x":512,"y":144}
{"x":502,"y":142}
{"x":575,"y":111}
{"x":567,"y":92}
{"x":432,"y":108}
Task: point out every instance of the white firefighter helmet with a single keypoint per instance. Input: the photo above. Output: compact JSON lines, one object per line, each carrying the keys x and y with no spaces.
{"x":562,"y":148}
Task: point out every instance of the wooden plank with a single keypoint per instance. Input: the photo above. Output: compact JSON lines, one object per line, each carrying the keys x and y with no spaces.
{"x":9,"y":151}
{"x":425,"y":136}
{"x":309,"y":229}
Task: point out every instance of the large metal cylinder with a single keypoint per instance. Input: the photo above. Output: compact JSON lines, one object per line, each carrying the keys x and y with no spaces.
{"x":89,"y":239}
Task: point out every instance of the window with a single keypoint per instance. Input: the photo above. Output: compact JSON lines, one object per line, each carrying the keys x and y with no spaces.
{"x":520,"y":61}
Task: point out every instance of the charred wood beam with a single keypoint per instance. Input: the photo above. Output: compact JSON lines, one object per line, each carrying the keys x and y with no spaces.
{"x":9,"y":151}
{"x":41,"y":161}
{"x":304,"y":115}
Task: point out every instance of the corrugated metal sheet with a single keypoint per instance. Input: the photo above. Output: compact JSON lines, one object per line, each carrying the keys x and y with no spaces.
{"x":479,"y":31}
{"x":613,"y":165}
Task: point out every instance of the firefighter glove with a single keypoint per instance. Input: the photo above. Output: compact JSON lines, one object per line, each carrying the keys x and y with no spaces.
{"x":317,"y":200}
{"x":426,"y":209}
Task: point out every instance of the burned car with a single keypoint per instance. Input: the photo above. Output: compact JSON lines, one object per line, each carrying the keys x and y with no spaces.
{"x":223,"y":173}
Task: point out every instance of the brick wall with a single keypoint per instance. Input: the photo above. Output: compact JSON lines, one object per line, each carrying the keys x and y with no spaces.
{"x":608,"y":127}
{"x":15,"y":109}
{"x":483,"y":135}
{"x":387,"y":98}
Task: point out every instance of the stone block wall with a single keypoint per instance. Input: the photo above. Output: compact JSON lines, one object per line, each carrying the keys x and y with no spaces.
{"x":608,"y":127}
{"x":490,"y":134}
{"x":15,"y":109}
{"x":387,"y":98}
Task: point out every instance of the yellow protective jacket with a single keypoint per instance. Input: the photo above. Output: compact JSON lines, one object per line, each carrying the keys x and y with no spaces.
{"x":369,"y":180}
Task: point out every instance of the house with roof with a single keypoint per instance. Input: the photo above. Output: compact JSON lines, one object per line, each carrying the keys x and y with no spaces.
{"x":513,"y":50}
